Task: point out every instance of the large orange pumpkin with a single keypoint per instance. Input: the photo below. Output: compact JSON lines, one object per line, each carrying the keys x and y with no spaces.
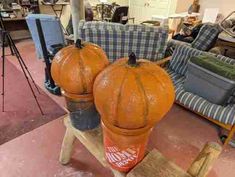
{"x":132,"y":96}
{"x":75,"y":67}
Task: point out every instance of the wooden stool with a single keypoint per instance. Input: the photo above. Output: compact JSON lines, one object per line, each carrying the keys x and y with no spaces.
{"x":156,"y":165}
{"x":92,"y":140}
{"x":153,"y":165}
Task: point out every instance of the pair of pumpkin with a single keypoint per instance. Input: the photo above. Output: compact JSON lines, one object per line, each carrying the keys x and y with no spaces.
{"x":128,"y":94}
{"x":131,"y":96}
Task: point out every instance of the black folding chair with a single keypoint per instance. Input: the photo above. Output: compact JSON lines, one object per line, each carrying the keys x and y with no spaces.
{"x":120,"y":15}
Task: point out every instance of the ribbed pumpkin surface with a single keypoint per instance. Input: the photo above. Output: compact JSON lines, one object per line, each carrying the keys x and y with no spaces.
{"x":74,"y":69}
{"x":133,"y":97}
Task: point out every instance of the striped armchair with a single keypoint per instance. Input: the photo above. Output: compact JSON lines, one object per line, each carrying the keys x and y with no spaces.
{"x":204,"y":41}
{"x":119,"y":40}
{"x":177,"y":68}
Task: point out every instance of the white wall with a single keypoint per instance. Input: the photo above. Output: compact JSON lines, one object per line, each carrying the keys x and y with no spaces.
{"x":225,"y":6}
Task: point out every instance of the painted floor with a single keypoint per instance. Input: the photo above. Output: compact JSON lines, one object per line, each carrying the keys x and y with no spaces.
{"x":179,"y":136}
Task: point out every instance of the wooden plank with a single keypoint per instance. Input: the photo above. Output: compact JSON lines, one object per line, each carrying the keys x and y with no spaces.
{"x":163,"y":61}
{"x":156,"y":165}
{"x":67,"y":147}
{"x":93,"y":141}
{"x":204,"y":161}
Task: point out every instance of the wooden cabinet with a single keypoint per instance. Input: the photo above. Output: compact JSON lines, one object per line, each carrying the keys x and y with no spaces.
{"x":144,"y":9}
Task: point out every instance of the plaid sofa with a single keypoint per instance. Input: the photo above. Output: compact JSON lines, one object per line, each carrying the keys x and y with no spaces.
{"x":177,"y":69}
{"x":119,"y":40}
{"x":204,"y":41}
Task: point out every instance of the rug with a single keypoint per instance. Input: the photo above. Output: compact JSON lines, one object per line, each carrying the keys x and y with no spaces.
{"x":21,"y":112}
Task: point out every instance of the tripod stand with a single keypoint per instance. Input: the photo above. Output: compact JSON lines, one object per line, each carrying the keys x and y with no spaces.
{"x":14,"y":51}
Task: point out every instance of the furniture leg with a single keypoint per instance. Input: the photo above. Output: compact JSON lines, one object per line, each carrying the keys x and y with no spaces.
{"x":230,"y":136}
{"x":67,"y":146}
{"x":204,"y":161}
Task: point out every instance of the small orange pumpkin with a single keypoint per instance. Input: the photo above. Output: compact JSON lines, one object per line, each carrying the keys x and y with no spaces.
{"x":132,"y":96}
{"x":75,"y":67}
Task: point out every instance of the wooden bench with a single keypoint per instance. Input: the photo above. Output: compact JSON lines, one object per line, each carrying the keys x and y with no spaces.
{"x":153,"y":165}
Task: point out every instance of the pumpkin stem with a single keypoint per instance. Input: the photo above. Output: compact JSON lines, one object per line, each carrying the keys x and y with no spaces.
{"x":132,"y":59}
{"x":78,"y":43}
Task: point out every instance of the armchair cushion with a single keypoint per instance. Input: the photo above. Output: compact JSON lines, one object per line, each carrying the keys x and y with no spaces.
{"x":224,"y":114}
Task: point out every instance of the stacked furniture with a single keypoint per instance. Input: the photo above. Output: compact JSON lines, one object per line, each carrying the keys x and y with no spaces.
{"x":119,"y":40}
{"x":119,"y":15}
{"x":222,"y":115}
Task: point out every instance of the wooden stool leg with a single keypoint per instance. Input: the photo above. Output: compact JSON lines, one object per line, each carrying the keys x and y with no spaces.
{"x":230,"y":136}
{"x":67,"y":147}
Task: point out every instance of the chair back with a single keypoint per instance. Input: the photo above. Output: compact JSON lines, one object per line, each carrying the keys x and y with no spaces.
{"x":119,"y":40}
{"x":120,"y":15}
{"x":52,"y":31}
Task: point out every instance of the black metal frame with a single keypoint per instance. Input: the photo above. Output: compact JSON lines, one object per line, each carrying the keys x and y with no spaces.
{"x":49,"y":82}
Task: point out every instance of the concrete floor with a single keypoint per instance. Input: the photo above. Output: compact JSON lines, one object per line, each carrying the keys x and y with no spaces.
{"x":179,"y":136}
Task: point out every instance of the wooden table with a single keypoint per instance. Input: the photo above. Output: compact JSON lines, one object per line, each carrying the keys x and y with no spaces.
{"x":153,"y":165}
{"x":228,"y":44}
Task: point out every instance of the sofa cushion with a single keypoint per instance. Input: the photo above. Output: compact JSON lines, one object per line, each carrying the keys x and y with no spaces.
{"x":224,"y":114}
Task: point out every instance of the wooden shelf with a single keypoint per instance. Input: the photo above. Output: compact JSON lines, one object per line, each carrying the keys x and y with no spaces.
{"x":14,"y":19}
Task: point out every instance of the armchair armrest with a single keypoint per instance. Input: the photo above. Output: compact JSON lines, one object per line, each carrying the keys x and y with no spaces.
{"x":163,"y":61}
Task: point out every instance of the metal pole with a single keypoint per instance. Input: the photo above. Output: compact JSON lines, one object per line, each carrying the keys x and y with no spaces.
{"x":45,"y":52}
{"x":17,"y":53}
{"x":3,"y":69}
{"x":24,"y":72}
{"x":78,"y":13}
